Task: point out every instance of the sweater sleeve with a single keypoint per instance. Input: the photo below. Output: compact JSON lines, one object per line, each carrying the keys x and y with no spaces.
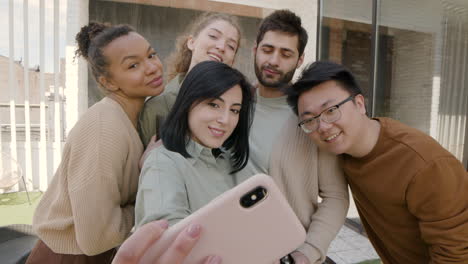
{"x":438,"y":198}
{"x":304,"y":174}
{"x":161,"y":192}
{"x":330,"y":215}
{"x":95,"y":171}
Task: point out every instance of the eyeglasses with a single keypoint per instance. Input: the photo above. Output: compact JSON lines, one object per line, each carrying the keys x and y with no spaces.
{"x":329,"y":115}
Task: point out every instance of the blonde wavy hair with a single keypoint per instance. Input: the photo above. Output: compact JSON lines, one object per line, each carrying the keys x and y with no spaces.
{"x":179,"y":60}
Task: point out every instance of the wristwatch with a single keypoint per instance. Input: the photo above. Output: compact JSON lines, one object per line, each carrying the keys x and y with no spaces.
{"x":288,"y":259}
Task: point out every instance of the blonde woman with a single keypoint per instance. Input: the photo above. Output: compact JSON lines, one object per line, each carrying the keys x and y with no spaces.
{"x":213,"y":36}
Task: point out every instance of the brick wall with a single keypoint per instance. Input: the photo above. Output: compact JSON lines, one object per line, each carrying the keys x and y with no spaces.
{"x":412,"y":77}
{"x":405,"y":89}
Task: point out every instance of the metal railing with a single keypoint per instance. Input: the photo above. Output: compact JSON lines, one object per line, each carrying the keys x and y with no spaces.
{"x":33,"y":154}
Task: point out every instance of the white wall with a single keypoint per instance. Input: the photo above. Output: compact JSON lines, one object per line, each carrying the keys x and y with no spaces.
{"x":76,"y":85}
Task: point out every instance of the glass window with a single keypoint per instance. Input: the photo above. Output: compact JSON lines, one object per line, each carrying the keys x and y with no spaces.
{"x":422,"y":63}
{"x":346,"y":34}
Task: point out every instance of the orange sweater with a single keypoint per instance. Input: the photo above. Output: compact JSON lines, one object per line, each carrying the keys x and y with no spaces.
{"x":412,"y":196}
{"x":88,"y":207}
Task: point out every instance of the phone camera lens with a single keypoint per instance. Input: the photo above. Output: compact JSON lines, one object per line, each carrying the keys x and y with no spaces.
{"x":253,"y":197}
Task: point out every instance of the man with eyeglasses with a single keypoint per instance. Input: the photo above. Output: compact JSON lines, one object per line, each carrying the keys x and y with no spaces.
{"x":411,"y":193}
{"x":278,"y":52}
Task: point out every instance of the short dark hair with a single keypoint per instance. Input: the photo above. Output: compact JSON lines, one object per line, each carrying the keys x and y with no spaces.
{"x":210,"y":79}
{"x":319,"y":72}
{"x":284,"y":21}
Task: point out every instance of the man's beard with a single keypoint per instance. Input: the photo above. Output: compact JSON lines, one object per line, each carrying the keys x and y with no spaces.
{"x":284,"y":78}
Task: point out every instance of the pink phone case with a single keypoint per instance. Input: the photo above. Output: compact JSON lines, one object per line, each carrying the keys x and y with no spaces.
{"x":259,"y":235}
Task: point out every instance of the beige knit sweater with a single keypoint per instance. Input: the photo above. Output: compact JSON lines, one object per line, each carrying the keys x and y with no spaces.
{"x":88,"y":207}
{"x":304,"y":173}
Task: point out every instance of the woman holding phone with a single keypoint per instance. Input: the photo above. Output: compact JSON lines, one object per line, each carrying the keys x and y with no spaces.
{"x":88,"y":209}
{"x":205,"y":141}
{"x":212,"y":36}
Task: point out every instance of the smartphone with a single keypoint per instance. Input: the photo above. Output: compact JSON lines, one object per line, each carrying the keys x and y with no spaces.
{"x":251,"y":223}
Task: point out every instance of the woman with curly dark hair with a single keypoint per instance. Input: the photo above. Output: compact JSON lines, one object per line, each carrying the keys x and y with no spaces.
{"x":88,"y":209}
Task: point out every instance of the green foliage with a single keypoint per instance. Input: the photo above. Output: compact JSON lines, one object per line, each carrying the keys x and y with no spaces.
{"x":15,"y":208}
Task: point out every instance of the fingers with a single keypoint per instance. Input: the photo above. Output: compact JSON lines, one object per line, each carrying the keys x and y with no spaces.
{"x":151,"y":145}
{"x":158,"y":143}
{"x":135,"y":246}
{"x":300,"y":258}
{"x":133,"y":249}
{"x":212,"y":260}
{"x":182,"y":246}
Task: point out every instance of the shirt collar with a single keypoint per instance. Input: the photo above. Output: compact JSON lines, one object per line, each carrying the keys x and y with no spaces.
{"x":197,"y":151}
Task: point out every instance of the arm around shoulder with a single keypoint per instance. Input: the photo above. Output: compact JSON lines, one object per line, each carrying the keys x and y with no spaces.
{"x":330,"y":215}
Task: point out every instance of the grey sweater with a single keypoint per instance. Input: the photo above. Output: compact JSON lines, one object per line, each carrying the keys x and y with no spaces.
{"x":314,"y":185}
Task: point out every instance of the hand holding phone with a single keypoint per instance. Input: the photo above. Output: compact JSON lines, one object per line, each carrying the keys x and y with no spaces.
{"x":251,"y":223}
{"x":136,"y":245}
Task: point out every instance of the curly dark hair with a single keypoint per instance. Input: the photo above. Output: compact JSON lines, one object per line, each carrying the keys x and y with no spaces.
{"x":92,"y":38}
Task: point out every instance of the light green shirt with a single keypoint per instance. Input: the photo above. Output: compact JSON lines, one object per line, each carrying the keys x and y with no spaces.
{"x":270,"y":116}
{"x":157,"y":108}
{"x":172,"y":187}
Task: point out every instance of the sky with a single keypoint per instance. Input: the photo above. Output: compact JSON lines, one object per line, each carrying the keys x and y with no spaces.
{"x":33,"y":17}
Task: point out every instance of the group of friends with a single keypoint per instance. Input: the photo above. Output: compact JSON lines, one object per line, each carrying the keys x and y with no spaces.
{"x":161,"y":145}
